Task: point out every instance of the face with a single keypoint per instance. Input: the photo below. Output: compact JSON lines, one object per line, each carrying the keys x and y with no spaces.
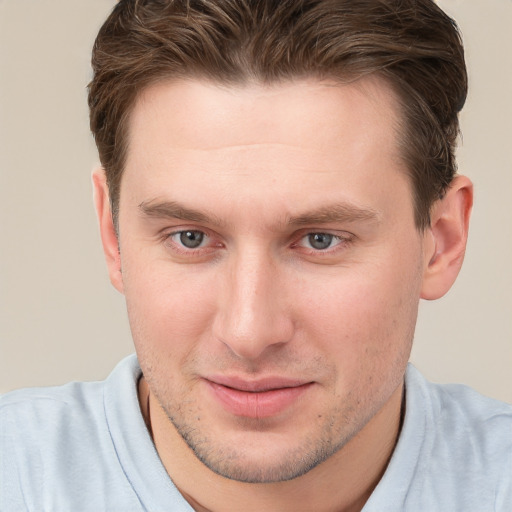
{"x":271,"y":266}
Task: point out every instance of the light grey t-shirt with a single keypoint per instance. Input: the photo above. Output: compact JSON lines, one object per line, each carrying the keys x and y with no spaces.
{"x":84,"y":447}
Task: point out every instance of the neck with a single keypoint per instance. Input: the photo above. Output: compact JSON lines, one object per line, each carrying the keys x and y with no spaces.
{"x":343,"y":483}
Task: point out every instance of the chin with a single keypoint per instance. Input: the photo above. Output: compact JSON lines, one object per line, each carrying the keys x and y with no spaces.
{"x":260,"y":456}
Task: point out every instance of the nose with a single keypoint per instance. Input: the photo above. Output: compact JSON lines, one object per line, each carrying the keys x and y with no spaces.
{"x":253,"y":314}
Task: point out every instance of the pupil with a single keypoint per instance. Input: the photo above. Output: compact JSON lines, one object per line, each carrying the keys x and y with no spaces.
{"x":191,"y":239}
{"x":320,"y":240}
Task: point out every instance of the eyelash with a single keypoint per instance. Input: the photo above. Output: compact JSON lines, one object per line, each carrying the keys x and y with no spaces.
{"x":186,"y":251}
{"x":342,"y":242}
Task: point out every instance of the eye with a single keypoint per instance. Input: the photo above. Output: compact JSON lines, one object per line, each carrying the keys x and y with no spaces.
{"x":320,"y":241}
{"x":191,"y":239}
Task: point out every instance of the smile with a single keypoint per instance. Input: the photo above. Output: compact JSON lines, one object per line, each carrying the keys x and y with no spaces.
{"x":261,"y":399}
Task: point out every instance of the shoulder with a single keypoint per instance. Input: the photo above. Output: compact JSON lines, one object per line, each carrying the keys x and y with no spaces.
{"x":54,"y":415}
{"x":50,"y":414}
{"x":74,"y":394}
{"x":73,"y":400}
{"x":52,"y":438}
{"x":467,"y":442}
{"x":48,"y":417}
{"x":454,"y":452}
{"x":461,"y":414}
{"x":40,"y":426}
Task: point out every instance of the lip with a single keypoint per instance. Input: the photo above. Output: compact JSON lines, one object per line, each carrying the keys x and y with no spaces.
{"x":256,"y":399}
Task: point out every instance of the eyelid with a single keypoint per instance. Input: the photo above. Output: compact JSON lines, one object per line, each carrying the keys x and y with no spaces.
{"x":214,"y":241}
{"x":344,"y":238}
{"x":174,"y":230}
{"x":204,"y":241}
{"x":181,"y":250}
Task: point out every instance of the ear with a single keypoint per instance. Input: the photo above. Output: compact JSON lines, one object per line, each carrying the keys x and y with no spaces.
{"x":107,"y":230}
{"x":445,"y":240}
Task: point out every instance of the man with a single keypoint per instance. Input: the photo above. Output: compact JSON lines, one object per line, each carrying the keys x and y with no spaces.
{"x":277,"y":192}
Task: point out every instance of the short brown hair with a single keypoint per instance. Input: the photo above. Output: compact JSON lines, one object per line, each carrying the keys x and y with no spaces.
{"x":412,"y":44}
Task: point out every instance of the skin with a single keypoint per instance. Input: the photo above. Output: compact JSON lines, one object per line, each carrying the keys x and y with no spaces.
{"x":256,"y":170}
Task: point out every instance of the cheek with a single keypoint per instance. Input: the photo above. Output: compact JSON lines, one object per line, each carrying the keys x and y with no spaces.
{"x":168,"y":310}
{"x":364,"y":327}
{"x":364,"y":316}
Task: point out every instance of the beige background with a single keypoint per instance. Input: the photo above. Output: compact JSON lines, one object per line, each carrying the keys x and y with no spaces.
{"x":59,"y":317}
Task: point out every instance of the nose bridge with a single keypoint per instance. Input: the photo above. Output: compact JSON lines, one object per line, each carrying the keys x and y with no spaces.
{"x":252,"y":315}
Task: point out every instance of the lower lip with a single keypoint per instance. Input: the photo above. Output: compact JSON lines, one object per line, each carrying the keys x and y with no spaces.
{"x":257,"y":405}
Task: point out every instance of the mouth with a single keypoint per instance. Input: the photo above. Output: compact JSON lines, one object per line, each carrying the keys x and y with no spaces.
{"x":257,"y":399}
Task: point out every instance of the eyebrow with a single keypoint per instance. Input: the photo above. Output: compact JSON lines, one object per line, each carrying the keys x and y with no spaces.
{"x":175,"y":210}
{"x":333,"y":213}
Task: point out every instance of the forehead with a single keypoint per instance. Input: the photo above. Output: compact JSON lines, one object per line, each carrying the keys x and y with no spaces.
{"x":203,"y":114}
{"x":263,"y":142}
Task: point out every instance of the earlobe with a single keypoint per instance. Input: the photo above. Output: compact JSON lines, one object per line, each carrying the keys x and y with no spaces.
{"x":107,"y":229}
{"x":445,"y":240}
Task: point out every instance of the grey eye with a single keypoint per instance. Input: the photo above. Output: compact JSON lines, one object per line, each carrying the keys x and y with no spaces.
{"x":320,"y":241}
{"x":191,"y":239}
